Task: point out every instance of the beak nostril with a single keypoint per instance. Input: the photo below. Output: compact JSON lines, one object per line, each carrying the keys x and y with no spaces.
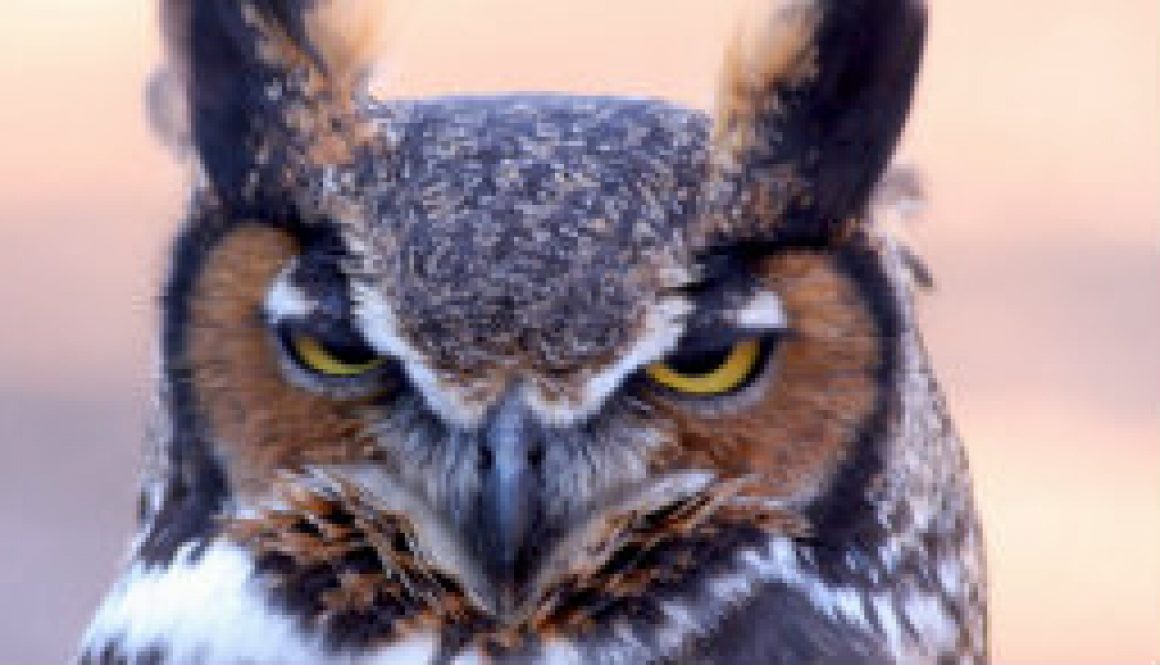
{"x":536,"y":456}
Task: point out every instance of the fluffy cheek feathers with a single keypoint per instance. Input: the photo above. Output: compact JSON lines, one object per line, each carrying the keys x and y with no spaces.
{"x":257,"y":421}
{"x":823,"y":388}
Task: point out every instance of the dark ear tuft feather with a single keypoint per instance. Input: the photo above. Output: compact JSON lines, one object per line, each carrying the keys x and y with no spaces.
{"x":813,"y":101}
{"x":269,"y":87}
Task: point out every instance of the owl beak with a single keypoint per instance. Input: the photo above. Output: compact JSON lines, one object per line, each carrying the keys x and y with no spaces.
{"x":510,"y":504}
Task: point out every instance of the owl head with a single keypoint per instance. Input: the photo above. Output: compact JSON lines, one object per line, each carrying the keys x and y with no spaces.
{"x":529,"y":372}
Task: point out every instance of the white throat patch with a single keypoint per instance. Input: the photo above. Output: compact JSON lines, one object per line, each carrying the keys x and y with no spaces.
{"x":211,"y":609}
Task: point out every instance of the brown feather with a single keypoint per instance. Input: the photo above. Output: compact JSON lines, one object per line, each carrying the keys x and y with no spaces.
{"x":823,"y":388}
{"x":261,"y":423}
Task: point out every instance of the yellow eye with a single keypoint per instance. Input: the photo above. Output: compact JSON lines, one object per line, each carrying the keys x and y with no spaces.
{"x":717,"y":375}
{"x":333,"y":362}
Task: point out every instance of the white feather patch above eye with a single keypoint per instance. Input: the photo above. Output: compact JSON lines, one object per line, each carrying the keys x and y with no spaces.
{"x":764,"y":312}
{"x":379,"y":325}
{"x":285,"y":300}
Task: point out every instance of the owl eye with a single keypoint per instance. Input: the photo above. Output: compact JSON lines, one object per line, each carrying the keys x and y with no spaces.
{"x":708,"y":373}
{"x":333,"y":360}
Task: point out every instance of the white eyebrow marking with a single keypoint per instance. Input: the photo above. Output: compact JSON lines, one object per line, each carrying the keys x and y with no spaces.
{"x":286,"y":301}
{"x":375,"y":318}
{"x":764,"y":311}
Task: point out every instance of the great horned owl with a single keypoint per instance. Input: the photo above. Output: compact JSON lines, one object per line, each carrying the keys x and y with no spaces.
{"x":544,"y":379}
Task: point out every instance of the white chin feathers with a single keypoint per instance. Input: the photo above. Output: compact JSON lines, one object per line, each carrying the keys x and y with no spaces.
{"x":209,"y":608}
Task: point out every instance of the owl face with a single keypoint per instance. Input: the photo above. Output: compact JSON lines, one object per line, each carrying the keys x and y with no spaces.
{"x":540,"y":377}
{"x":521,"y":331}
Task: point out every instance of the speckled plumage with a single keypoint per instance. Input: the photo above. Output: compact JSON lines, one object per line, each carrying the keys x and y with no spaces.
{"x":531,"y":231}
{"x":503,"y":479}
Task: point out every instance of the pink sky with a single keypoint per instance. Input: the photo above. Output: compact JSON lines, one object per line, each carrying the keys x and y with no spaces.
{"x":1038,"y":129}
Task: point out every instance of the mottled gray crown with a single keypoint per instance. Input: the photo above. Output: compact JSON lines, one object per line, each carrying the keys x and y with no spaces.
{"x":531,"y":231}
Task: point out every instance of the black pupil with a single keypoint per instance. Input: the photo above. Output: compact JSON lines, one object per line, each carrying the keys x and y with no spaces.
{"x":343,"y":345}
{"x":349,"y":351}
{"x":699,"y":363}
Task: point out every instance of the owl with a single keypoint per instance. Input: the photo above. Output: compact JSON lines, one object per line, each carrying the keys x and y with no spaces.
{"x":544,"y":379}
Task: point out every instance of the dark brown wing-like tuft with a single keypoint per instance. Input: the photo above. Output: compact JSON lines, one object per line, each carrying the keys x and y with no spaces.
{"x":812,"y":103}
{"x":269,"y":88}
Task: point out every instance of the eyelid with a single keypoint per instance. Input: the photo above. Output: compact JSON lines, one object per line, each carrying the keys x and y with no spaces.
{"x":719,"y":340}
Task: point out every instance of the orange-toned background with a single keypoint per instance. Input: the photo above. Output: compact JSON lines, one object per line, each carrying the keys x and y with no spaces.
{"x":1037,"y":124}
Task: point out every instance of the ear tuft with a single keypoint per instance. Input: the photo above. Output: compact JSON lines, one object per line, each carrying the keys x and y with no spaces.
{"x":770,"y":48}
{"x":337,"y":39}
{"x":347,"y":35}
{"x":270,"y":88}
{"x":812,"y":102}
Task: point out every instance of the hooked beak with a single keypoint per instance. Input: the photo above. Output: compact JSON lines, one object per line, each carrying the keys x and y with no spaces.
{"x":510,"y":537}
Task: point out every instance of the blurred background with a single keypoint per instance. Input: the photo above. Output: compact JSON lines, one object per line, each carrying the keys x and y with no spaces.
{"x":1037,"y":127}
